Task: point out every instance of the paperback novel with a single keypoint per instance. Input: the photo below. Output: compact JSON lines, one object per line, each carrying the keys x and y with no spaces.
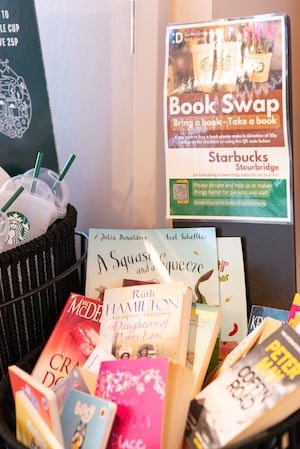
{"x":72,"y":340}
{"x":150,"y":320}
{"x":259,"y":313}
{"x":258,"y":391}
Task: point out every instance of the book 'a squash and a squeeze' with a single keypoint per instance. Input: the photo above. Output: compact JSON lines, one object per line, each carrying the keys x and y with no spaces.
{"x":189,"y":255}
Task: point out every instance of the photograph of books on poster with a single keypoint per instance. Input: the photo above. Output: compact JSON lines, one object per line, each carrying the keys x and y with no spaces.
{"x":226,"y":114}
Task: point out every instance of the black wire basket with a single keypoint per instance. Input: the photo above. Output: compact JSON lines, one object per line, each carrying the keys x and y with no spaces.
{"x":36,"y":279}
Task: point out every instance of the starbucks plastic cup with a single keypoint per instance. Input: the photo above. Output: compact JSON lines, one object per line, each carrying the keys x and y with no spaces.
{"x":59,"y":189}
{"x":4,"y":226}
{"x":31,"y":213}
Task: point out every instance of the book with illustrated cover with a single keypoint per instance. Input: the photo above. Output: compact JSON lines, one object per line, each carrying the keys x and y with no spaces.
{"x":294,"y":312}
{"x":205,"y":324}
{"x":233,"y":299}
{"x":87,"y":420}
{"x":72,"y":340}
{"x":258,"y":313}
{"x":43,"y":398}
{"x":31,"y":429}
{"x":152,"y":397}
{"x":257,"y":336}
{"x":150,"y":320}
{"x":74,"y":380}
{"x":257,"y":392}
{"x":189,"y":255}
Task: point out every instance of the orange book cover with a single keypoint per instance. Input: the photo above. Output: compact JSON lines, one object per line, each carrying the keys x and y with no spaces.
{"x":72,"y":340}
{"x":43,"y":398}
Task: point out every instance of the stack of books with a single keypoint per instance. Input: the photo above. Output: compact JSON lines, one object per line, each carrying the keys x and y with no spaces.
{"x":136,"y":361}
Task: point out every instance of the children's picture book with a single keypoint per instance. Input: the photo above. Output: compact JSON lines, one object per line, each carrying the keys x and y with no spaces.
{"x":233,"y":298}
{"x":257,"y":336}
{"x":43,"y":398}
{"x":74,"y":380}
{"x":258,"y":313}
{"x":72,"y":340}
{"x":150,"y":320}
{"x":87,"y":420}
{"x":205,"y":324}
{"x":152,"y":397}
{"x":189,"y":255}
{"x":294,"y":313}
{"x":257,"y":392}
{"x":31,"y":429}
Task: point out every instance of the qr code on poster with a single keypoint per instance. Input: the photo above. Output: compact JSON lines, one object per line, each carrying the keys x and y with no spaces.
{"x":180,"y":192}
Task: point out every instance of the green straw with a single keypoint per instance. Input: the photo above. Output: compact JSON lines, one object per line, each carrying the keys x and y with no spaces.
{"x":36,"y":171}
{"x":64,"y":170}
{"x":12,"y":199}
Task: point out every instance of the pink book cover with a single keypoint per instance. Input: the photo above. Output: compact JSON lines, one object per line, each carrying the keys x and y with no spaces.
{"x":294,"y":312}
{"x":72,"y":340}
{"x":138,"y":387}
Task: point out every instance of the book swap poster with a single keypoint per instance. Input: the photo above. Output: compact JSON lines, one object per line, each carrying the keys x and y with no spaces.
{"x":227,"y":143}
{"x":25,"y":118}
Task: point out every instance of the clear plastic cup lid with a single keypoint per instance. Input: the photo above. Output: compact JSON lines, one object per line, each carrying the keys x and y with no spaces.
{"x":34,"y":186}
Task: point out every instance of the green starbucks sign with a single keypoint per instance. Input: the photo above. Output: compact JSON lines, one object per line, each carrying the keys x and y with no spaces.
{"x":25,"y":117}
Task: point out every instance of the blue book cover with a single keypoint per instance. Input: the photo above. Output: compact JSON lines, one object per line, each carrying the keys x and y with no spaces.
{"x":87,"y":420}
{"x":259,"y":313}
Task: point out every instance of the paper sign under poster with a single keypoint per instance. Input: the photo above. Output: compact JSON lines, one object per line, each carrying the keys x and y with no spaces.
{"x":227,"y":142}
{"x":25,"y":118}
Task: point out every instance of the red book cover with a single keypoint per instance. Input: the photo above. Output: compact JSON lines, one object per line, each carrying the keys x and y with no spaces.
{"x":72,"y":340}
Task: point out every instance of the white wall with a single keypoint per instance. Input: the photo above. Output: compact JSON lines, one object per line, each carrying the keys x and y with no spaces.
{"x":106,"y":106}
{"x":190,"y":10}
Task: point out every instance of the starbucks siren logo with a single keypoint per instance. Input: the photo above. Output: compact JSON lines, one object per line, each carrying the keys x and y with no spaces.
{"x":15,"y":103}
{"x":19,"y":228}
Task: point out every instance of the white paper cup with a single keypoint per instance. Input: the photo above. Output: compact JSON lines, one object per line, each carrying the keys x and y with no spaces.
{"x":203,"y":59}
{"x":31,"y":213}
{"x":60,"y":190}
{"x":229,"y":65}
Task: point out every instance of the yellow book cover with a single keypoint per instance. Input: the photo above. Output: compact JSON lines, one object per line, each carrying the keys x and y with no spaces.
{"x":31,"y":429}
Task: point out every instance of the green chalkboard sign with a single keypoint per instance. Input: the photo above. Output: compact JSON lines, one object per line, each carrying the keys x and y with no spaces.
{"x":25,"y":117}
